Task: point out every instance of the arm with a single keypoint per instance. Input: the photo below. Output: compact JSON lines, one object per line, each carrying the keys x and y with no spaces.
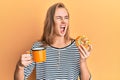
{"x":84,"y":74}
{"x":24,"y":61}
{"x":19,"y":72}
{"x":84,"y":53}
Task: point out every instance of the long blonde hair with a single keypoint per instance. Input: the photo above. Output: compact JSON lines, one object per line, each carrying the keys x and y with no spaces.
{"x":47,"y":37}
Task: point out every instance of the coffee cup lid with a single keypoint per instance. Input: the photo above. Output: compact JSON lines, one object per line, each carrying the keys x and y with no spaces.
{"x":40,"y":48}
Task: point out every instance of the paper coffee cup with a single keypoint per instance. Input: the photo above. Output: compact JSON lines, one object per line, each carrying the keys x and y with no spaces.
{"x":39,"y":54}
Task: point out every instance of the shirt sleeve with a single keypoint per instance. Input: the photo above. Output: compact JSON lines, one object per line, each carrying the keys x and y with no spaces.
{"x":37,"y":45}
{"x":28,"y":70}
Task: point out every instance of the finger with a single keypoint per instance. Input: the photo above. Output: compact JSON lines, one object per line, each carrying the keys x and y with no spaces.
{"x":86,"y":53}
{"x":81,"y":56}
{"x":26,"y":63}
{"x":85,"y":50}
{"x":29,"y":62}
{"x":89,"y":48}
{"x":26,"y":57}
{"x":82,"y":52}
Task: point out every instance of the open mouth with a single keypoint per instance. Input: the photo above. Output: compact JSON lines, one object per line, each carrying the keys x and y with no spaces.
{"x":62,"y":29}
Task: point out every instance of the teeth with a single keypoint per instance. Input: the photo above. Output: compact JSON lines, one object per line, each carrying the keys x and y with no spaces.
{"x":62,"y":26}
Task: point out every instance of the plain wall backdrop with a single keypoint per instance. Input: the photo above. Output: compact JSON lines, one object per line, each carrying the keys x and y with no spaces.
{"x":21,"y":24}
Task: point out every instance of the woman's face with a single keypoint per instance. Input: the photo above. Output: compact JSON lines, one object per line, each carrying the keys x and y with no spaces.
{"x":61,"y":20}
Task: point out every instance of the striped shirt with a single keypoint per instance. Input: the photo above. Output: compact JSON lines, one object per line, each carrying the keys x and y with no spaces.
{"x":60,"y":64}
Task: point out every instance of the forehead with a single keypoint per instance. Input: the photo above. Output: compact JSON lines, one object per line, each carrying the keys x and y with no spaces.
{"x":61,"y":12}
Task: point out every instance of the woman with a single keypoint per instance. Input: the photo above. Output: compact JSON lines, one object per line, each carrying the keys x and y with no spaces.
{"x":65,"y":61}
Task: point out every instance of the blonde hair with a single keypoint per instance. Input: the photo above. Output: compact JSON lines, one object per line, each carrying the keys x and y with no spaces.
{"x":47,"y":37}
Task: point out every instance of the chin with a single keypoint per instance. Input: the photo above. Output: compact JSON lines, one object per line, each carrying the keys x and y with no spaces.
{"x":61,"y":35}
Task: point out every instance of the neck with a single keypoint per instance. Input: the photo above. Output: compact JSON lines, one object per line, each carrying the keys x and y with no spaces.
{"x":60,"y":42}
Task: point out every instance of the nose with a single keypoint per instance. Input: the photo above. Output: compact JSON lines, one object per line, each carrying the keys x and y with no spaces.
{"x":63,"y":21}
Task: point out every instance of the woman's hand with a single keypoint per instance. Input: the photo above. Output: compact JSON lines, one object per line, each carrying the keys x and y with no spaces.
{"x":84,"y":52}
{"x":25,"y":59}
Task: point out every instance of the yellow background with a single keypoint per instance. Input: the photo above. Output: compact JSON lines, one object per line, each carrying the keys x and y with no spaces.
{"x":21,"y":24}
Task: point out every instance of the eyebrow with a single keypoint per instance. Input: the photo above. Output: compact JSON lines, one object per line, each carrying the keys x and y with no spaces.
{"x":61,"y":16}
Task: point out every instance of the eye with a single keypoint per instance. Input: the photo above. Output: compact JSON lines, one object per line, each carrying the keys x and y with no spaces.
{"x":58,"y":17}
{"x":66,"y":17}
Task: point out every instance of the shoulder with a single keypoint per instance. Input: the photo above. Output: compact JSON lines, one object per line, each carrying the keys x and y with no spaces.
{"x":37,"y":44}
{"x":72,"y":45}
